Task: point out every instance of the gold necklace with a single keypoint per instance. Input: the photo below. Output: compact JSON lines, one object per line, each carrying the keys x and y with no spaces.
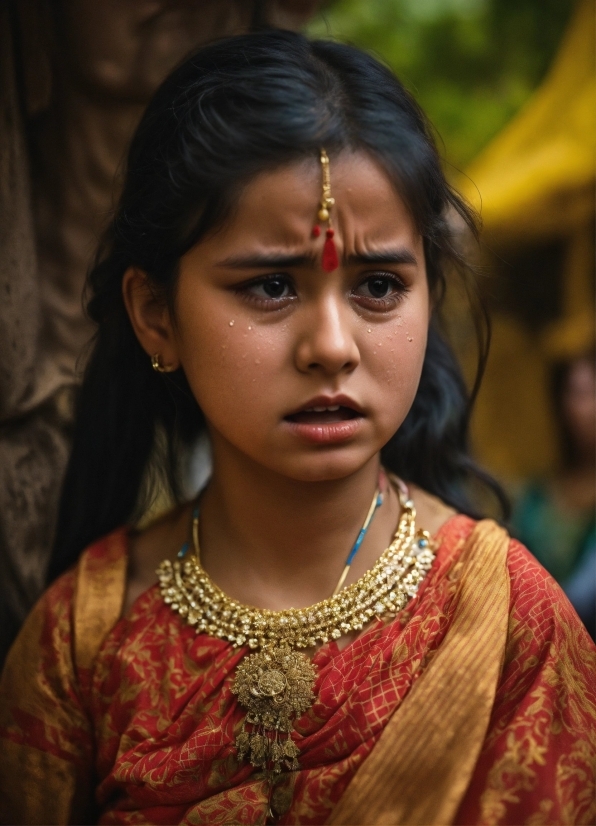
{"x":275,"y":683}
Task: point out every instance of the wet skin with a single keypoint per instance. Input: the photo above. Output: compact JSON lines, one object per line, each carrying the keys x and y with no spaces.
{"x":264,"y":335}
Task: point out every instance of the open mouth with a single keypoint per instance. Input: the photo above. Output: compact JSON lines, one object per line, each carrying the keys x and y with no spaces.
{"x":324,"y":415}
{"x":326,"y":421}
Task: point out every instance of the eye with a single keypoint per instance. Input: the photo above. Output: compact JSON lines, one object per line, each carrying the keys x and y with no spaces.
{"x":380,"y":291}
{"x":378,"y":287}
{"x":274,"y":287}
{"x":270,"y":289}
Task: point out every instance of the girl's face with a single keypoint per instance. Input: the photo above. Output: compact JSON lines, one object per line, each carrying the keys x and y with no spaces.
{"x":305,"y":372}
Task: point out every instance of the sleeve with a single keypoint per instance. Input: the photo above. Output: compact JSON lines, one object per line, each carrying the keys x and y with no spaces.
{"x":538,"y":763}
{"x":46,"y":749}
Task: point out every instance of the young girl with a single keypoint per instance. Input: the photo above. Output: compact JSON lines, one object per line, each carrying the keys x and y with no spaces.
{"x":330,"y":636}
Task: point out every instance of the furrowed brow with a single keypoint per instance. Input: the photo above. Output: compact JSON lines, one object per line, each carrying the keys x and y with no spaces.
{"x":280,"y":261}
{"x":269,"y":261}
{"x":400,"y":255}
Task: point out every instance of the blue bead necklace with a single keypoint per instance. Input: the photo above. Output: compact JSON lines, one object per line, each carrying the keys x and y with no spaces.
{"x":374,"y":505}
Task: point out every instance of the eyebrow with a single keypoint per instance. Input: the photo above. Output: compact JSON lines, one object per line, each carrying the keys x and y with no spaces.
{"x":277,"y":260}
{"x":399,"y":255}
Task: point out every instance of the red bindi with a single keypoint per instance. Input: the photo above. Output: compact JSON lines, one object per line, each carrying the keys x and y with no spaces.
{"x":330,"y":258}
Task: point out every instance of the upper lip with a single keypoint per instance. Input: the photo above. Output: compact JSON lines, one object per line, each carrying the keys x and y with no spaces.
{"x":328,"y":401}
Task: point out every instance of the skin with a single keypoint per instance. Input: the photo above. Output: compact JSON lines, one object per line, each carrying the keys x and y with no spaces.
{"x":281,"y":512}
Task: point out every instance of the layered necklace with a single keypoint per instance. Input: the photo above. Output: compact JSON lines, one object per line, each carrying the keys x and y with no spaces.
{"x":274,"y":684}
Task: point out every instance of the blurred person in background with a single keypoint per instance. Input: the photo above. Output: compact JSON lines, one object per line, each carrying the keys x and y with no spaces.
{"x":75,"y":76}
{"x":555,"y":517}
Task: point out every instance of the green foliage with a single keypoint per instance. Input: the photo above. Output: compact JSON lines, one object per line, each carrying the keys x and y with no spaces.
{"x":470,"y":63}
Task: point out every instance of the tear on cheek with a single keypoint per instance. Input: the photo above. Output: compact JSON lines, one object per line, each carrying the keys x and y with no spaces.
{"x":390,"y":376}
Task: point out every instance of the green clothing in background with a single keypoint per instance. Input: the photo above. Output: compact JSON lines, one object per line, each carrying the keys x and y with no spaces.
{"x":558,"y":538}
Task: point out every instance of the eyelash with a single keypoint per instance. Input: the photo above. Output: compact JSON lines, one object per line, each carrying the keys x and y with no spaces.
{"x":383,"y":303}
{"x":266,"y":303}
{"x":370,"y":302}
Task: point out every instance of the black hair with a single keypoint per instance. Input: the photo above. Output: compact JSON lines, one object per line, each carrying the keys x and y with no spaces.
{"x":236,"y":108}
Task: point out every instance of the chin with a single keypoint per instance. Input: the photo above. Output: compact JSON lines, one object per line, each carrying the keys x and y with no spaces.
{"x":329,"y":465}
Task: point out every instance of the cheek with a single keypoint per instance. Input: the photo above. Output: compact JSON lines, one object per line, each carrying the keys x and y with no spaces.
{"x":394,"y":353}
{"x":396,"y":350}
{"x":230,"y":363}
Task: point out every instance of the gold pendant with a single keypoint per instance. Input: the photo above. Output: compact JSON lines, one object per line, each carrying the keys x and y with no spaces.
{"x":274,"y":686}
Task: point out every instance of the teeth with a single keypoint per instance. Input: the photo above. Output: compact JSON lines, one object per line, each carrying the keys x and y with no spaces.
{"x":332,"y":409}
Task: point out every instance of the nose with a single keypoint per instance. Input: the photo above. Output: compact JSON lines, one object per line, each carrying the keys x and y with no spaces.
{"x":327,"y":342}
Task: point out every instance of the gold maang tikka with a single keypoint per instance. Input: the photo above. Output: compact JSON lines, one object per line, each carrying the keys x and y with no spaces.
{"x":330,"y":259}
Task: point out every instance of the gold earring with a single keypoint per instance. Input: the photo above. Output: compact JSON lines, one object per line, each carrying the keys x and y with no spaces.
{"x":159,"y":367}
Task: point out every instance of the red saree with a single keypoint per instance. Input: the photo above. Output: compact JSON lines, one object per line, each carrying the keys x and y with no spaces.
{"x":146,"y":728}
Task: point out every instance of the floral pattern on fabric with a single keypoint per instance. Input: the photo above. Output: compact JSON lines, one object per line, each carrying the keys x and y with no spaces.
{"x":159,"y":710}
{"x":539,"y":760}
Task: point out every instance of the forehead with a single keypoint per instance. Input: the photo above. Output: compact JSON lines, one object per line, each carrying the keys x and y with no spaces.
{"x":278,"y":204}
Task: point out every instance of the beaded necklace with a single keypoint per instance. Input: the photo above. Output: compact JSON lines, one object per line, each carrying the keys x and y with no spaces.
{"x":274,"y":684}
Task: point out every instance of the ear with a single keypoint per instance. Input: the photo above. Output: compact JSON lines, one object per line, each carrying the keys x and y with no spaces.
{"x":150,"y":318}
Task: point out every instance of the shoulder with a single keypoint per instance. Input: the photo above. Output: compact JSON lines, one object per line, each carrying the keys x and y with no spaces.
{"x":101,"y":575}
{"x":45,"y":730}
{"x":39,"y":676}
{"x":549,"y":656}
{"x":539,"y":750}
{"x":161,"y":539}
{"x":536,"y":598}
{"x":431,"y":512}
{"x":71,"y":610}
{"x":45,"y":639}
{"x":544,"y":628}
{"x":537,"y":603}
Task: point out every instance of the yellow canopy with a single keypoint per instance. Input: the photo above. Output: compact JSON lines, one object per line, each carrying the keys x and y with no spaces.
{"x":533,"y":184}
{"x":536,"y":178}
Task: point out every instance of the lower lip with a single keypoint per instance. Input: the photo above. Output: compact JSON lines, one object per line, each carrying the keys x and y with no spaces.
{"x":329,"y":433}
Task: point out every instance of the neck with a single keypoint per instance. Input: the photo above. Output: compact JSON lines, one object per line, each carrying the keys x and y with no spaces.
{"x":276,"y":542}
